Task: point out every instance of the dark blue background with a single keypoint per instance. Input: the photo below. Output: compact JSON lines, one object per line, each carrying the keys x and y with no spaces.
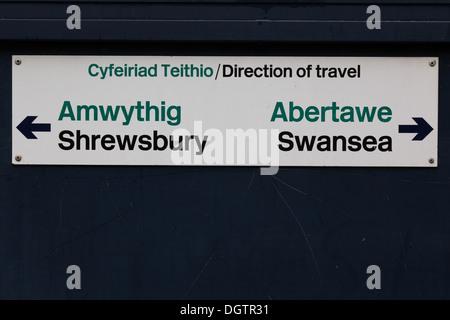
{"x":224,"y":232}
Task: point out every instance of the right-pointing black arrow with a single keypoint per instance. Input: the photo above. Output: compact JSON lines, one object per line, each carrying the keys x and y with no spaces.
{"x":422,"y":128}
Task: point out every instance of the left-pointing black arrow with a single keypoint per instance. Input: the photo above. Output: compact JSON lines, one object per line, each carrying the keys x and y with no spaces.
{"x":422,"y":129}
{"x":27,"y":127}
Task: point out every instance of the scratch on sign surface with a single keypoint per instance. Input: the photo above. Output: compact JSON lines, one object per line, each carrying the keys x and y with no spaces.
{"x":199,"y":274}
{"x":303,"y":232}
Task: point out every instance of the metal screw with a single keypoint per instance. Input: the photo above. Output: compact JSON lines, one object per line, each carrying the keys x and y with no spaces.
{"x":18,"y":158}
{"x":431,"y":160}
{"x":18,"y":61}
{"x":432,"y":63}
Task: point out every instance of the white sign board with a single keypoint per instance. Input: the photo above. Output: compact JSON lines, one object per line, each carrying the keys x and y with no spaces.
{"x":260,"y":111}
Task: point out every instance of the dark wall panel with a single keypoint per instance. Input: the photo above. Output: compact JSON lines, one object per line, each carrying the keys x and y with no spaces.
{"x":223,"y":232}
